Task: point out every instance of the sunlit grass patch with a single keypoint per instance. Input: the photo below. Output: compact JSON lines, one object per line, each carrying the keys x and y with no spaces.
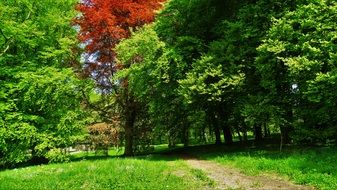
{"x":149,"y":172}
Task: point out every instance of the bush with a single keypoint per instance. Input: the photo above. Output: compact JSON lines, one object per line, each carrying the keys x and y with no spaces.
{"x":56,"y":155}
{"x":102,"y":136}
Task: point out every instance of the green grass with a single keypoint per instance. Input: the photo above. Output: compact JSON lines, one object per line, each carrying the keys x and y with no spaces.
{"x":310,"y":166}
{"x":112,"y":153}
{"x":91,"y":155}
{"x":150,"y":172}
{"x":199,"y":174}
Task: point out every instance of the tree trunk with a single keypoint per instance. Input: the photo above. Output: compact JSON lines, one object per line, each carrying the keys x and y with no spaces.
{"x":196,"y":134}
{"x":160,"y":139}
{"x":185,"y":135}
{"x":244,"y":132}
{"x":227,"y":134}
{"x":128,"y":140}
{"x":285,"y":134}
{"x":129,"y":128}
{"x":170,"y":142}
{"x":281,"y":140}
{"x":210,"y":132}
{"x":171,"y":138}
{"x":217,"y":134}
{"x":202,"y":135}
{"x":215,"y":125}
{"x":286,"y":130}
{"x":239,"y":134}
{"x":258,"y":133}
{"x":265,"y":130}
{"x":216,"y":128}
{"x":245,"y":136}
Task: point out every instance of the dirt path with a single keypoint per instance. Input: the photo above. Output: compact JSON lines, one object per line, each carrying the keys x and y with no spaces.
{"x":230,"y":178}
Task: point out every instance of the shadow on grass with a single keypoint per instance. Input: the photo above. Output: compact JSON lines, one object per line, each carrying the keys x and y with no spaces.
{"x":311,"y":156}
{"x":158,"y":155}
{"x":268,"y":149}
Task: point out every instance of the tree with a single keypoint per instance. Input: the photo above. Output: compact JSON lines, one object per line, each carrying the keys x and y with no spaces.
{"x":219,"y":52}
{"x":212,"y":87}
{"x":237,"y":44}
{"x":40,"y":95}
{"x":153,"y":79}
{"x":102,"y":25}
{"x":297,"y":65}
{"x":189,"y":36}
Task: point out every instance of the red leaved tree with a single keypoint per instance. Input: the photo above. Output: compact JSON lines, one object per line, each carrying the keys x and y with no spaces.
{"x":102,"y":25}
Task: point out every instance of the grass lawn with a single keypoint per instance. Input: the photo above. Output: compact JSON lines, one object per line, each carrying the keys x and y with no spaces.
{"x":148,"y":172}
{"x":311,"y":166}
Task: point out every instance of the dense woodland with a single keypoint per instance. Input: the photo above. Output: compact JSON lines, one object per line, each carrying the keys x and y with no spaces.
{"x":138,"y":73}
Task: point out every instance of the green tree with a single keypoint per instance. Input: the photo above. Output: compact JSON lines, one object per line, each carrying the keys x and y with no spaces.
{"x":153,"y":71}
{"x":297,"y":64}
{"x":39,"y":95}
{"x":239,"y":38}
{"x":212,"y":86}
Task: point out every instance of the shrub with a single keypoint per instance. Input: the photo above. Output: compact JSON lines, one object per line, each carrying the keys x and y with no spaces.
{"x":102,"y":136}
{"x":56,"y":155}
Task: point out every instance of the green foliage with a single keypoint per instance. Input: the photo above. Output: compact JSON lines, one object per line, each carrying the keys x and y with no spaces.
{"x":152,"y":69}
{"x":246,"y":64}
{"x":39,"y":97}
{"x":297,"y":65}
{"x":236,"y":50}
{"x":16,"y":139}
{"x":141,"y":54}
{"x":182,"y":19}
{"x":207,"y":82}
{"x":57,"y":155}
{"x":230,"y":65}
{"x":36,"y":32}
{"x":224,"y":64}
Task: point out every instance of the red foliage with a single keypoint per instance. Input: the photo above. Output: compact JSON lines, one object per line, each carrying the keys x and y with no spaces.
{"x":103,"y":136}
{"x":103,"y":23}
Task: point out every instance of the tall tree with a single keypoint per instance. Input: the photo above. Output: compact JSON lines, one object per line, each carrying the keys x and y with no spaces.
{"x":297,"y":62}
{"x":189,"y":35}
{"x":103,"y":24}
{"x":153,"y":79}
{"x":39,"y":94}
{"x":239,"y":37}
